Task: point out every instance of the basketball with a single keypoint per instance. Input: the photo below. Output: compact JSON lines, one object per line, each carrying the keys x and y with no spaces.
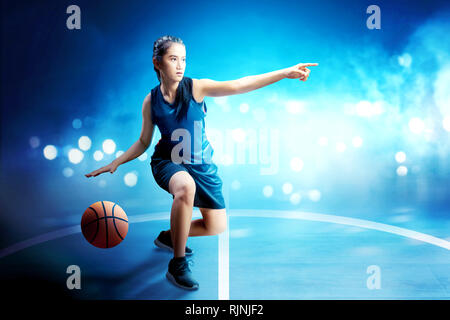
{"x":104,"y":224}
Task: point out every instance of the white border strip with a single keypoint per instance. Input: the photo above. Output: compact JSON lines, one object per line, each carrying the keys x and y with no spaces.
{"x":224,"y":255}
{"x":224,"y":264}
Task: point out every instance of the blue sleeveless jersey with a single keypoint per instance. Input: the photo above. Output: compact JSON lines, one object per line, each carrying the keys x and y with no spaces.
{"x":191,"y":130}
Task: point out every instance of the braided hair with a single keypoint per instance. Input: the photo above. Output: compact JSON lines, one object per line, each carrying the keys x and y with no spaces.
{"x":184,"y":90}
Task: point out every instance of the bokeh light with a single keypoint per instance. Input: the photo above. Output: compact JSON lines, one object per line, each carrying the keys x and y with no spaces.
{"x":400,"y":157}
{"x":357,"y":142}
{"x":119,"y":153}
{"x":143,"y":156}
{"x":295,"y":198}
{"x":244,"y":107}
{"x":109,"y":146}
{"x":296,"y":164}
{"x":267,"y":191}
{"x":446,"y":123}
{"x":402,"y":171}
{"x":416,"y":125}
{"x":130,"y":179}
{"x":84,"y":143}
{"x":68,"y":172}
{"x":98,"y":155}
{"x":50,"y":152}
{"x":314,"y":195}
{"x":76,"y":123}
{"x":287,"y":188}
{"x":235,"y":185}
{"x":75,"y":156}
{"x":34,"y":142}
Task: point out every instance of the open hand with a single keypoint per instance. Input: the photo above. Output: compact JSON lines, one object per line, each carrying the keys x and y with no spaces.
{"x":299,"y":71}
{"x":108,"y":168}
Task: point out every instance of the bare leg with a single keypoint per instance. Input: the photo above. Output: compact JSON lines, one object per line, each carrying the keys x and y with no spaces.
{"x":180,"y":218}
{"x":197,"y":228}
{"x":214,"y":222}
{"x":182,"y":187}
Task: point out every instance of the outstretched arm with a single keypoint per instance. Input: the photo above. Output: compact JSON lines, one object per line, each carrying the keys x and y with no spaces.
{"x":211,"y":88}
{"x":138,"y":147}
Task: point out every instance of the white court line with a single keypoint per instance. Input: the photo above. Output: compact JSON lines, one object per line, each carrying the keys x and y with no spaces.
{"x":224,"y":237}
{"x":39,"y":239}
{"x":367,"y":224}
{"x":75,"y":229}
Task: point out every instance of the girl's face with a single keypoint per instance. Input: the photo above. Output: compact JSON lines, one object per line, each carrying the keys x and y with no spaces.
{"x":173,"y":63}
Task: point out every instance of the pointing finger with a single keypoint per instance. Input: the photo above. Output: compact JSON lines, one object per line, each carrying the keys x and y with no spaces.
{"x":308,"y":64}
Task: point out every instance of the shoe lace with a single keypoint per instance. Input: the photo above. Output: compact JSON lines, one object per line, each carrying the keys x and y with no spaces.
{"x":184,"y":265}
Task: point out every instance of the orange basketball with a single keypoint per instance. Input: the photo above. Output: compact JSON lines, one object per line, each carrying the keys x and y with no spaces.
{"x":104,"y":224}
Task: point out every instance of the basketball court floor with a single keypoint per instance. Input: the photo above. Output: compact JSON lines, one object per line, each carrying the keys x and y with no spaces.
{"x":264,"y":254}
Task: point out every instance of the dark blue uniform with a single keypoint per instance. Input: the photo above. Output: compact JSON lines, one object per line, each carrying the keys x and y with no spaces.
{"x":187,"y":134}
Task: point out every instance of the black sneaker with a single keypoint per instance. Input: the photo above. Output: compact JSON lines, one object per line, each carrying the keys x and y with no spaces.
{"x":165,"y":242}
{"x":180,"y":274}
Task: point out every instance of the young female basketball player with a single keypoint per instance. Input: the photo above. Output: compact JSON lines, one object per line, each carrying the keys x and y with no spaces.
{"x":178,"y":103}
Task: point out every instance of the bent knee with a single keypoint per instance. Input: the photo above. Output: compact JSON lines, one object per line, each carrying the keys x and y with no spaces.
{"x":218,"y":227}
{"x":221,"y":228}
{"x":185,"y":192}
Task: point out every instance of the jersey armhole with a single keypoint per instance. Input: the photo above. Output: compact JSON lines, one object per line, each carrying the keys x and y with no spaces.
{"x":189,"y":84}
{"x":152,"y":103}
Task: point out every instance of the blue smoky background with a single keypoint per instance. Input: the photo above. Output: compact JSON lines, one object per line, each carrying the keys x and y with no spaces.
{"x":368,"y":135}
